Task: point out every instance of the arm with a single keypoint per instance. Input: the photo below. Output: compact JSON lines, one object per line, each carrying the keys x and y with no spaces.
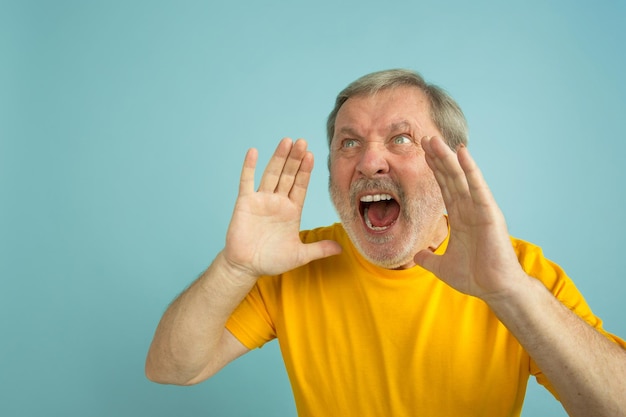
{"x":190,"y":343}
{"x":587,"y":371}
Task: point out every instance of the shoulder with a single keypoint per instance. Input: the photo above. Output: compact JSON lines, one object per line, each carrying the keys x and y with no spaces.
{"x":532,"y":259}
{"x":525,"y":249}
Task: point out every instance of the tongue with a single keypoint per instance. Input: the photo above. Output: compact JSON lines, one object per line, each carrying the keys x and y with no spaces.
{"x":383,"y":213}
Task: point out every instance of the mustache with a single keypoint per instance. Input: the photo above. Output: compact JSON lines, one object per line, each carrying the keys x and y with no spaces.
{"x":364,"y":185}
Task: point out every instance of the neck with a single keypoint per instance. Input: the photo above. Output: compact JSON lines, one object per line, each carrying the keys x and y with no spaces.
{"x":437,"y":234}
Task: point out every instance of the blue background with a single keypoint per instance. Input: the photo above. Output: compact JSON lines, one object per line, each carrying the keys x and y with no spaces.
{"x":123,"y":126}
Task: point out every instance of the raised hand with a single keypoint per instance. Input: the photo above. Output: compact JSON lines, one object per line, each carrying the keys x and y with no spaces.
{"x":479,"y":260}
{"x":263,"y":236}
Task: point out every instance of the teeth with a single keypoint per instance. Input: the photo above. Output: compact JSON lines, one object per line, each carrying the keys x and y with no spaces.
{"x":375,"y":197}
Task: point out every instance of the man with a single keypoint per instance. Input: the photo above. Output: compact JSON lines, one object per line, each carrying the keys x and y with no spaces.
{"x":400,"y":309}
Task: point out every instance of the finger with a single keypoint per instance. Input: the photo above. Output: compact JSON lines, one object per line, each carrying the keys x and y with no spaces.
{"x":246,"y":180}
{"x":428,"y":260}
{"x":440,"y":178}
{"x":292,"y":167}
{"x":445,"y":164}
{"x":274,"y":168}
{"x":321,"y":249}
{"x":481,"y":194}
{"x":301,"y":182}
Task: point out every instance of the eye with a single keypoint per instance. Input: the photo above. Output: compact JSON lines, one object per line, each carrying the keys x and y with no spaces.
{"x":401,"y":140}
{"x":349,"y":143}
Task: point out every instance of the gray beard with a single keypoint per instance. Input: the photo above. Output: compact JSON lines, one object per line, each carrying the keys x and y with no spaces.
{"x":419,"y":214}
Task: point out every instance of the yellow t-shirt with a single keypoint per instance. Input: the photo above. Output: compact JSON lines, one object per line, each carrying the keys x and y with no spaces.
{"x":359,"y":340}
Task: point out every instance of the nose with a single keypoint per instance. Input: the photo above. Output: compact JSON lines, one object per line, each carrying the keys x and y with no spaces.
{"x":373,"y":160}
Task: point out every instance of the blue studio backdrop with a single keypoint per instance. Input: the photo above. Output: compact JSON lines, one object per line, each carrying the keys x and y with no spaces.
{"x":123,"y":126}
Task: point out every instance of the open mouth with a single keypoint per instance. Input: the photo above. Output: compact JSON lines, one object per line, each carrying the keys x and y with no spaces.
{"x":379,"y":211}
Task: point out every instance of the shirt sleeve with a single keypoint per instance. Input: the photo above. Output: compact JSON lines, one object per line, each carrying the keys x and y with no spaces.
{"x":563,"y":288}
{"x":251,"y":322}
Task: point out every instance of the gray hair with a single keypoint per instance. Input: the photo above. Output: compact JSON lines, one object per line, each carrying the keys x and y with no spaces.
{"x":445,"y":112}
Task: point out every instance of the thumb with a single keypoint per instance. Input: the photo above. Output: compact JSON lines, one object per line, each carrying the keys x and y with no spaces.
{"x":428,"y":260}
{"x":321,"y":249}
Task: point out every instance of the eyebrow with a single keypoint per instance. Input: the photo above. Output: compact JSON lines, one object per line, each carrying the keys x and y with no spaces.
{"x":402,"y":125}
{"x":394,"y":127}
{"x":350,"y":131}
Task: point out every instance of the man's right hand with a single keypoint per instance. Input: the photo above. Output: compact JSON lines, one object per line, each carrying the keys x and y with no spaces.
{"x":190,"y":343}
{"x":263,"y":236}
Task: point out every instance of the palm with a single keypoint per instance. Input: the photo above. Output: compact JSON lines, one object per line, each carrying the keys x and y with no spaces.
{"x":479,"y":260}
{"x":263,"y":237}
